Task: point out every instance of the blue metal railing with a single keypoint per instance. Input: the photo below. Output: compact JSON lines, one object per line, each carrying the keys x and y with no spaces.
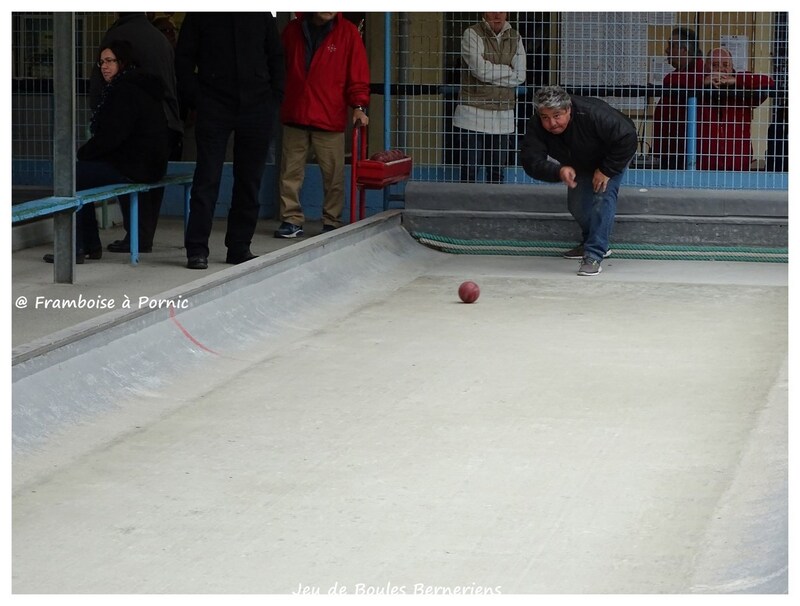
{"x":691,"y":134}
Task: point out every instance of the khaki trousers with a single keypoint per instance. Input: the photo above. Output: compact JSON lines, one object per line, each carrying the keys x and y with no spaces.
{"x":329,"y":151}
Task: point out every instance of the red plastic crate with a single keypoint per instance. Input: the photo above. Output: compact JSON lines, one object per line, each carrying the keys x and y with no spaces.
{"x":373,"y":174}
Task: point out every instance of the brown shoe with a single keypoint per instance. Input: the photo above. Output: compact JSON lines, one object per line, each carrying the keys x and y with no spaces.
{"x":577,"y":253}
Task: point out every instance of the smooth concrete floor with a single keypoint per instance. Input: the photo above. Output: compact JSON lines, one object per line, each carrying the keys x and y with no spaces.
{"x":619,"y":434}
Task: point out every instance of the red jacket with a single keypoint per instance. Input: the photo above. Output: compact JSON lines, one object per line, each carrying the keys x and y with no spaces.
{"x":336,"y":80}
{"x":669,"y":117}
{"x":724,"y":123}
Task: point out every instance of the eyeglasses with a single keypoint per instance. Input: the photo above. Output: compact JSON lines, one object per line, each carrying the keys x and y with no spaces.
{"x":103,"y":62}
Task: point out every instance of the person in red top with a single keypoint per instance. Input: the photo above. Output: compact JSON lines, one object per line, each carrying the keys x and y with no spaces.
{"x":669,"y":118}
{"x":327,"y":75}
{"x":726,"y":113}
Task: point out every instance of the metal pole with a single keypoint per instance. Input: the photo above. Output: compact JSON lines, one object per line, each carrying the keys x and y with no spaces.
{"x":402,"y":78}
{"x":64,"y":143}
{"x":387,"y":80}
{"x":691,"y":134}
{"x":387,"y":92}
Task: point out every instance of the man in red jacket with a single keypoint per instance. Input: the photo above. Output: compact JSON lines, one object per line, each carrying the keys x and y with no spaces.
{"x":669,"y":118}
{"x":726,"y":113}
{"x":327,"y":75}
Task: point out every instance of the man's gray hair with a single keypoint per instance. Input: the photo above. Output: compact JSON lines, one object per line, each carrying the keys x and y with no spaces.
{"x":551,"y":97}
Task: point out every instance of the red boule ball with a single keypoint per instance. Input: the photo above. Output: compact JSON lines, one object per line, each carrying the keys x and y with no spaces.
{"x":469,"y":292}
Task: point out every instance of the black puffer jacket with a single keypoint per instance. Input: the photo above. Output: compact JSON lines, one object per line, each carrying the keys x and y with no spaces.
{"x":598,"y":136}
{"x":130,"y":129}
{"x":234,"y":58}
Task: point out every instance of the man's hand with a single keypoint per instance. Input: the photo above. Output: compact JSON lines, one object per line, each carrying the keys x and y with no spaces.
{"x":717,"y":80}
{"x":360,"y":115}
{"x":567,"y":175}
{"x":599,"y":181}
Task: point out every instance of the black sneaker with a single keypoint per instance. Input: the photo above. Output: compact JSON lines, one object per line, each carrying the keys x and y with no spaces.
{"x":328,"y":228}
{"x":289,"y":230}
{"x":577,"y":253}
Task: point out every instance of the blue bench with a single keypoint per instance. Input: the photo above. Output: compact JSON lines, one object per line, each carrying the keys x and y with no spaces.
{"x":63,"y":208}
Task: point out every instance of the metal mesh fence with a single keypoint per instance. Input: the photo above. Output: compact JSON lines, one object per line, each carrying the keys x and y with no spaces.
{"x":707,"y":91}
{"x":31,"y":99}
{"x":32,"y":102}
{"x":458,"y":127}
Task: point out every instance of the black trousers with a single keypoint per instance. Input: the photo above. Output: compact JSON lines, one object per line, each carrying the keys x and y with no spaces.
{"x":490,"y":151}
{"x":89,"y":174}
{"x":150,"y":201}
{"x":251,"y":128}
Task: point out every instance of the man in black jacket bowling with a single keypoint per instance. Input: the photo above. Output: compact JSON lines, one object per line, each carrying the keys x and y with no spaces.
{"x":592,"y":144}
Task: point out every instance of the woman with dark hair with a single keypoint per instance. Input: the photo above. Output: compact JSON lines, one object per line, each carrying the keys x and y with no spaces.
{"x":129,"y":138}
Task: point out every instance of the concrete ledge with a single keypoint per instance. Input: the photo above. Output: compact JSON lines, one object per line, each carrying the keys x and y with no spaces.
{"x":106,"y":363}
{"x":41,"y":353}
{"x":552,"y":198}
{"x":538,"y":212}
{"x":631,"y":229}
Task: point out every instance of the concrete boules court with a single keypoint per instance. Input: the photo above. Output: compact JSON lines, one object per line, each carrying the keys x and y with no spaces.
{"x":331,"y":415}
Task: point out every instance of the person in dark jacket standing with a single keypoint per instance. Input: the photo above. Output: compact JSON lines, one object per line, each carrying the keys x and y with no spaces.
{"x":592,"y":144}
{"x":129,"y":138}
{"x":326,"y":75}
{"x":154,"y":55}
{"x":230,"y":69}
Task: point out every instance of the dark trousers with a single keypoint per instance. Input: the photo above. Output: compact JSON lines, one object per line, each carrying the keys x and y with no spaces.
{"x":90,"y":174}
{"x":149,"y":201}
{"x":251,"y":128}
{"x":483,"y":149}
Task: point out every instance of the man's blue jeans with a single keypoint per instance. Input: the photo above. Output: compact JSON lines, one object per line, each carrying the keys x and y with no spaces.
{"x":594,"y":212}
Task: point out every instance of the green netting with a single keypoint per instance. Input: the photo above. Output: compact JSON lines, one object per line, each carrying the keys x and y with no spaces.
{"x":621,"y":251}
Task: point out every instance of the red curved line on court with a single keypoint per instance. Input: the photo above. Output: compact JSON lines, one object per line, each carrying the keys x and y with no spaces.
{"x":187,"y":334}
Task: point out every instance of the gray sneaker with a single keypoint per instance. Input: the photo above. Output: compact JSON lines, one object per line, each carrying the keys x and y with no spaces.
{"x":577,"y":253}
{"x":589,"y":267}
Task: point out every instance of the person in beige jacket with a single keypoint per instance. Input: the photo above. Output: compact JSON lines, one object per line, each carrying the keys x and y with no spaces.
{"x":493,"y":60}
